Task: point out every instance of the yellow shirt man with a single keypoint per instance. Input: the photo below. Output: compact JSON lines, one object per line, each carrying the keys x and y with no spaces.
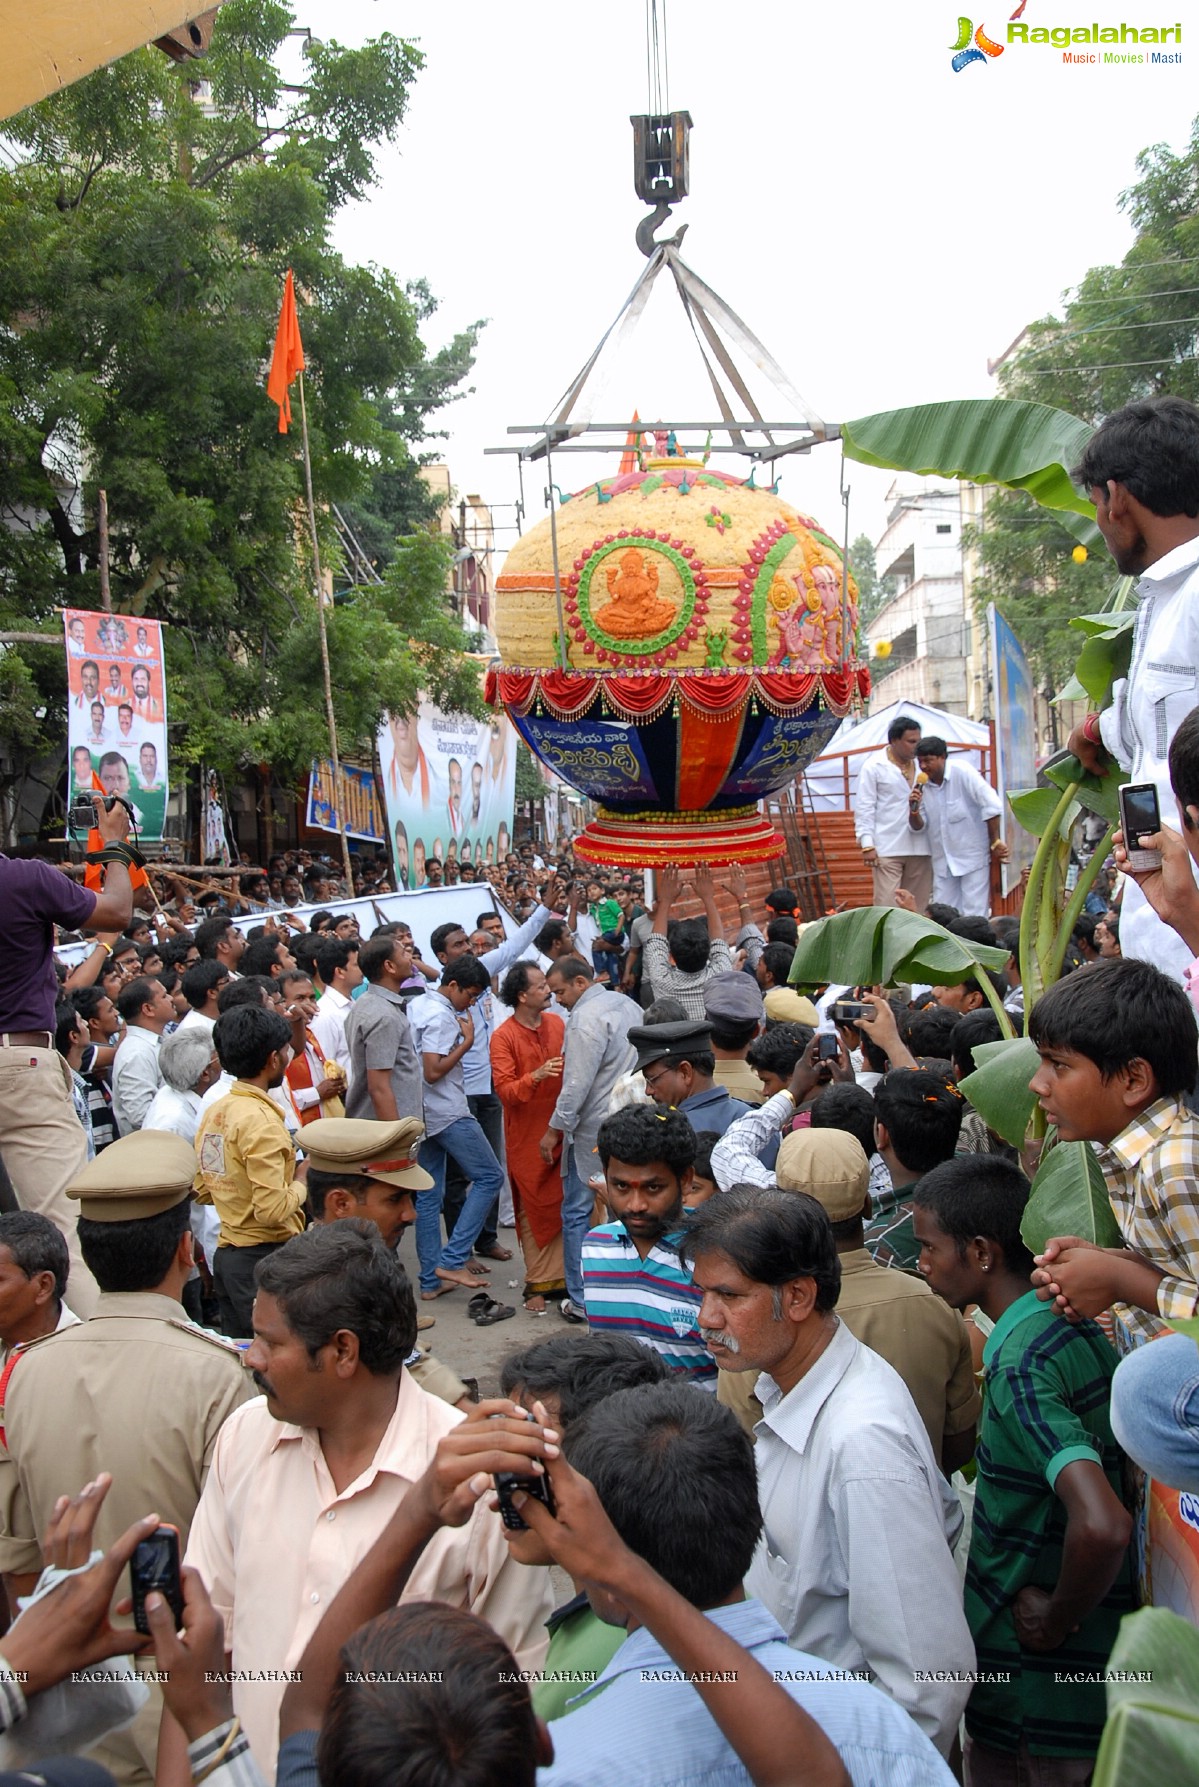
{"x":247,"y":1168}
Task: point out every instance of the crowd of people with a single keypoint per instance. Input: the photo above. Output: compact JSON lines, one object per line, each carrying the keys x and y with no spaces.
{"x":836,"y":1464}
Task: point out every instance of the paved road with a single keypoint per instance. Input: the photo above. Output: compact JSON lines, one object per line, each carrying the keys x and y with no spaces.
{"x":479,"y":1352}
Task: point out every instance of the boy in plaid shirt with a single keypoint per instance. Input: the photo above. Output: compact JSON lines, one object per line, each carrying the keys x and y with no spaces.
{"x":1119,"y":1048}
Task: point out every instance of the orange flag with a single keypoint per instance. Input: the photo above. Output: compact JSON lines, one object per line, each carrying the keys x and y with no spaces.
{"x":288,"y":357}
{"x":628,"y":459}
{"x":93,"y":874}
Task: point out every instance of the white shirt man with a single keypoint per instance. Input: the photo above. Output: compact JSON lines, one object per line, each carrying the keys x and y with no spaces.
{"x":180,"y":1112}
{"x":896,"y":855}
{"x":177,"y":1111}
{"x":961,"y":816}
{"x":329,"y":1025}
{"x":855,"y":1557}
{"x":851,"y":1561}
{"x":136,"y":1072}
{"x":1148,"y":706}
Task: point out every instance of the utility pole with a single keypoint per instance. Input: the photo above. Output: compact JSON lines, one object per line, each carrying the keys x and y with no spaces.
{"x":102,"y":528}
{"x":339,"y":791}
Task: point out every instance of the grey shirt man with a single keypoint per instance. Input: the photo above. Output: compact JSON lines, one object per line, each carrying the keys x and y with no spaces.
{"x":596,"y":1052}
{"x":378,"y":1035}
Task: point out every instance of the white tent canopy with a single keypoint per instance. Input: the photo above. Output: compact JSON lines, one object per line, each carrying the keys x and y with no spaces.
{"x":825,"y":777}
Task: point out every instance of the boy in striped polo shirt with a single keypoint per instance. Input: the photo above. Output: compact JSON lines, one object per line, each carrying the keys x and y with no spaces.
{"x":633,"y":1280}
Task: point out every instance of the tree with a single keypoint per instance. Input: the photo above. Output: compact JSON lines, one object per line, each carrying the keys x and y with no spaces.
{"x":873,"y":590}
{"x":529,"y":783}
{"x":1127,"y":332}
{"x":1029,"y":572}
{"x":143,"y":240}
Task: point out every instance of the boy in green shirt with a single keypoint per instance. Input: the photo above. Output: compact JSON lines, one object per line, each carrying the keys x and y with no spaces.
{"x":608,"y":919}
{"x":569,"y":1375}
{"x":1050,"y":1573}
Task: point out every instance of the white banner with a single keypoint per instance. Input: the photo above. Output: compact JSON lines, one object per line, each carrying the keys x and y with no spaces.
{"x":424,"y":911}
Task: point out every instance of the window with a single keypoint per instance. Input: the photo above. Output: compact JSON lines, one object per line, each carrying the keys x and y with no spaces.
{"x":944,"y":527}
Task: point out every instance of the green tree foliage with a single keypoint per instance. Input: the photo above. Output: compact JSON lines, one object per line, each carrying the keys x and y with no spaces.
{"x":1126,"y":332}
{"x":529,"y":783}
{"x":873,"y":590}
{"x":143,"y":241}
{"x":1028,"y":571}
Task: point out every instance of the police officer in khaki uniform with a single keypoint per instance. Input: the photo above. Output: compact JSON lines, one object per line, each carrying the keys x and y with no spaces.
{"x":137,"y":1390}
{"x":363,"y":1168}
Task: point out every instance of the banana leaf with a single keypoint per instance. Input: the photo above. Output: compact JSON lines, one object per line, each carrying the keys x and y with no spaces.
{"x":997,"y":440}
{"x":882,"y":946}
{"x":1069,"y":1197}
{"x":1106,"y":652}
{"x":1118,"y":647}
{"x":1034,"y":808}
{"x":1185,"y":1324}
{"x":998,"y":1088}
{"x":1098,"y":794}
{"x":1151,"y":1738}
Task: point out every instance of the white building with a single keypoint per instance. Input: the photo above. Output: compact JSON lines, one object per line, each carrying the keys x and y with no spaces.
{"x":927,"y":622}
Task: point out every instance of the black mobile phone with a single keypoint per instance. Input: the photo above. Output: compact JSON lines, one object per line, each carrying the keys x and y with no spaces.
{"x":1140,"y":814}
{"x":154,"y":1567}
{"x":828,"y":1048}
{"x":848,"y":1011}
{"x":508,"y":1481}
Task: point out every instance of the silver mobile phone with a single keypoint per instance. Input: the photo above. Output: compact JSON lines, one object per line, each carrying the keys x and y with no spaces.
{"x":1140,"y":816}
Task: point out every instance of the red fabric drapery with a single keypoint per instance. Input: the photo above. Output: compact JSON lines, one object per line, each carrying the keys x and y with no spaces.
{"x":637,"y":694}
{"x":568,"y":694}
{"x":517,"y":690}
{"x":787,"y":688}
{"x":566,"y":691}
{"x":716,"y":694}
{"x":838,"y":687}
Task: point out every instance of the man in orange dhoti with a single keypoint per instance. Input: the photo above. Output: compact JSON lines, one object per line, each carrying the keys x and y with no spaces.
{"x":526,"y":1068}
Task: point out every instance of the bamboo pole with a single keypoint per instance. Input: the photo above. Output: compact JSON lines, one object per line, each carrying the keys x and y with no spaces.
{"x":338,"y":791}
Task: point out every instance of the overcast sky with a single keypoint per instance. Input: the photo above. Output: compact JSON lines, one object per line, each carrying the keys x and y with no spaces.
{"x":884,"y":224}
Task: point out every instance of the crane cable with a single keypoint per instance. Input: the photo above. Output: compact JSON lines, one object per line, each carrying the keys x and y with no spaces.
{"x":657,"y":60}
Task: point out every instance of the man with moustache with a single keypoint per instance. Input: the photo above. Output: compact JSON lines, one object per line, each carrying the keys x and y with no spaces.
{"x":855,"y":1560}
{"x":89,"y":687}
{"x":305,"y":1479}
{"x":634,"y":1281}
{"x":367,"y":1170}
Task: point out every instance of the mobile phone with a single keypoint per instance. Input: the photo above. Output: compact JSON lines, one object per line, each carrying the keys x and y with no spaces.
{"x":848,"y":1011}
{"x":828,"y":1047}
{"x":154,"y":1568}
{"x":1140,"y":813}
{"x":508,"y":1481}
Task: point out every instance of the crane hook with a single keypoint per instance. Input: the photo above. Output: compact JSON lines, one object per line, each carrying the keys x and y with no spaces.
{"x":647,"y":226}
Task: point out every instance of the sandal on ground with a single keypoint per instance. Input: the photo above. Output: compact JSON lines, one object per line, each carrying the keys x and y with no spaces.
{"x":484,"y":1311}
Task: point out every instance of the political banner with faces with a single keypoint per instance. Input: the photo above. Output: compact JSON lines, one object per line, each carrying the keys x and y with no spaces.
{"x":449,"y":783}
{"x":117,"y":712}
